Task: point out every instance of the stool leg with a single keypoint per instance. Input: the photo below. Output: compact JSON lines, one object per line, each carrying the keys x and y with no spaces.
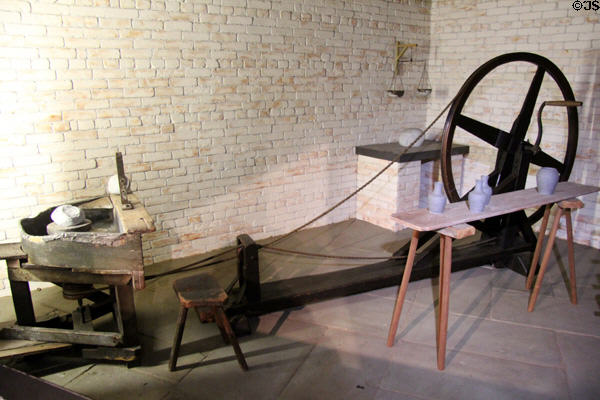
{"x":223,"y":333}
{"x":224,"y":324}
{"x":538,"y":247}
{"x":414,"y":241}
{"x":177,"y":339}
{"x":571,"y":252}
{"x":445,"y":268}
{"x":545,"y":259}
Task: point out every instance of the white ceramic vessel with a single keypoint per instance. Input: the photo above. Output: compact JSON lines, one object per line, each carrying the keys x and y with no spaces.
{"x":477,"y":198}
{"x":437,"y":199}
{"x":407,"y":136}
{"x":547,"y":179}
{"x":67,"y":215}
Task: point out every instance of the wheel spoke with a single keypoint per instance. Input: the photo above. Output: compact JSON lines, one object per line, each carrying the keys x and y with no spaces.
{"x":519,"y":128}
{"x":543,"y":159}
{"x":489,"y":134}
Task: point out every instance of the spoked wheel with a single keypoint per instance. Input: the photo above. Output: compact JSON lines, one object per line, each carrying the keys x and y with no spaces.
{"x":514,"y":152}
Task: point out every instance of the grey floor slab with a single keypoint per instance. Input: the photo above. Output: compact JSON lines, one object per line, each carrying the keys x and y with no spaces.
{"x":483,"y":336}
{"x":117,"y":382}
{"x":582,"y":359}
{"x":470,"y":292}
{"x":343,"y":365}
{"x":550,"y":312}
{"x":413,"y":371}
{"x":369,"y":315}
{"x":272,"y":361}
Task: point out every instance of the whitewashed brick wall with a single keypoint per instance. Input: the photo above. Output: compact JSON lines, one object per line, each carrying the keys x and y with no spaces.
{"x":232,"y":115}
{"x":465,"y":34}
{"x":391,"y":192}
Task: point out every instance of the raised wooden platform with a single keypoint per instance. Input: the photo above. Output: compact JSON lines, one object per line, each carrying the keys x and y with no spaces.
{"x":428,"y":151}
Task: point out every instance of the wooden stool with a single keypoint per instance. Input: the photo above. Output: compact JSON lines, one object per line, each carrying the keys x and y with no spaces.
{"x":458,"y":231}
{"x":564,"y":207}
{"x":203,"y":291}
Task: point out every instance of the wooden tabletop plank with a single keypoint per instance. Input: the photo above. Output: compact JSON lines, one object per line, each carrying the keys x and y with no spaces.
{"x":11,"y":251}
{"x":421,"y":219}
{"x":136,"y":220}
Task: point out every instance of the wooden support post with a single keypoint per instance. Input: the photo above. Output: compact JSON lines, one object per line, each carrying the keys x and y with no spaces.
{"x":126,"y":314}
{"x":538,"y":247}
{"x":444,"y":302}
{"x":571,"y":252}
{"x":21,"y":296}
{"x":402,"y":290}
{"x":545,"y":259}
{"x":248,"y":268}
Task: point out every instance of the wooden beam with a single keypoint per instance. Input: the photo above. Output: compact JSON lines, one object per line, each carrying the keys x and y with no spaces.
{"x":61,"y":335}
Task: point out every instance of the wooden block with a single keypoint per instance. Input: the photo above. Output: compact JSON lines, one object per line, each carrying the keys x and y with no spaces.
{"x":458,"y":231}
{"x":136,"y":220}
{"x":573,"y":204}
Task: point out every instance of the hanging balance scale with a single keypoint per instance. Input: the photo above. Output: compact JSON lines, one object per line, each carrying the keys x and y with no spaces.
{"x":424,"y":87}
{"x":396,"y":86}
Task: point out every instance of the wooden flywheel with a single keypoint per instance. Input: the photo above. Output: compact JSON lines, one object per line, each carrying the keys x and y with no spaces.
{"x":514,"y":153}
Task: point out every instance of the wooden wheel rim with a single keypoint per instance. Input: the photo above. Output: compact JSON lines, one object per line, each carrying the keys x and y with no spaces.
{"x":467,"y":88}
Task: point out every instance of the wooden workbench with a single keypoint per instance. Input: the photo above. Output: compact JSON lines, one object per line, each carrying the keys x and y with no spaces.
{"x":456,"y":215}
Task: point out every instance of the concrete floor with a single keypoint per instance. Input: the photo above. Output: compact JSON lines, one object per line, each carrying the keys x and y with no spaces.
{"x":336,"y":349}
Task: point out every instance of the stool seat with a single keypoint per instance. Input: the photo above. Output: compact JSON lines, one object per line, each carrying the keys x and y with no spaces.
{"x":574,"y":204}
{"x":203,"y":290}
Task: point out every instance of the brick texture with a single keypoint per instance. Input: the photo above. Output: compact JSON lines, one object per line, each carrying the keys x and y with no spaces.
{"x":232,"y":116}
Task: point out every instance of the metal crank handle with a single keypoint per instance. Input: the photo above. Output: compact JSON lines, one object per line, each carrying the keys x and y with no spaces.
{"x":555,"y":103}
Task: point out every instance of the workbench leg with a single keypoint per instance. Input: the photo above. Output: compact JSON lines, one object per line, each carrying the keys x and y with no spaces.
{"x":21,"y":297}
{"x":571,"y":253}
{"x":538,"y":247}
{"x":126,"y":311}
{"x":402,"y":290}
{"x":445,"y":268}
{"x":545,"y":259}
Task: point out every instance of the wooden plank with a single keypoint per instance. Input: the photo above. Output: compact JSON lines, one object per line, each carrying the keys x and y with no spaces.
{"x":456,"y":213}
{"x":13,"y":348}
{"x":459,"y":231}
{"x":61,"y":335}
{"x":11,"y":251}
{"x":135,"y":220}
{"x":87,"y":251}
{"x":37,"y":273}
{"x":429,"y":150}
{"x":127,"y":354}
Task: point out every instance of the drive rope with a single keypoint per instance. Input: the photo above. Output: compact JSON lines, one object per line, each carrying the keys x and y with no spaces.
{"x":268,"y":246}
